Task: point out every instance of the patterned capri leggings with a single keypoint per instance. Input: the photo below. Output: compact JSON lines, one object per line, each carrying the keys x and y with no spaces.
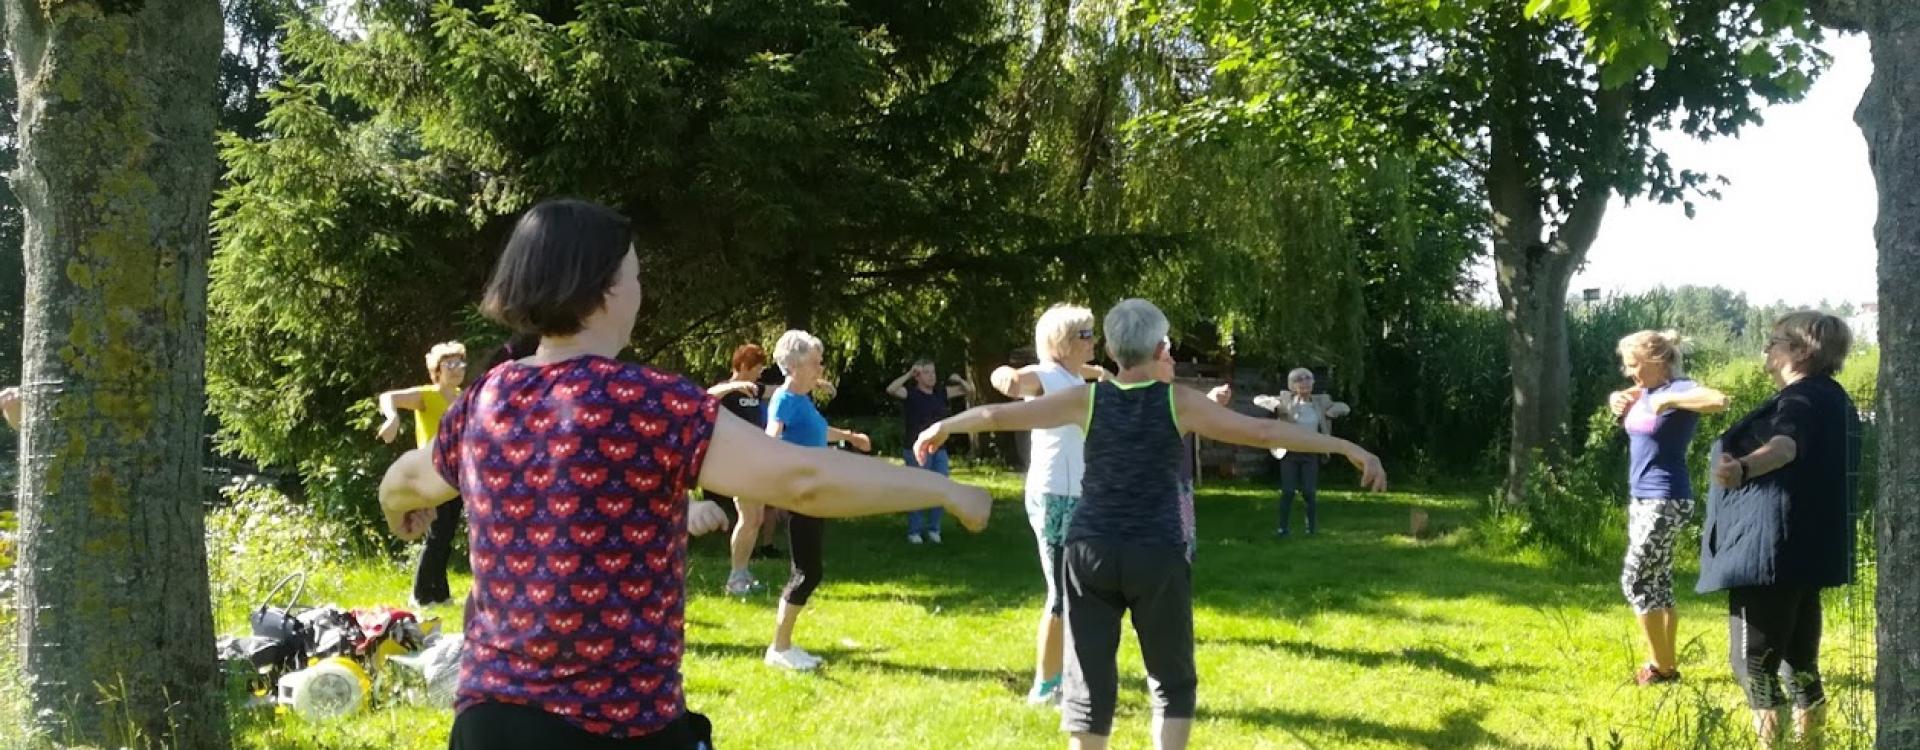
{"x":1646,"y":577}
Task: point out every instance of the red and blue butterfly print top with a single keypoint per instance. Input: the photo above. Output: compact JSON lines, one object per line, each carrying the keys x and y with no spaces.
{"x":575,"y":477}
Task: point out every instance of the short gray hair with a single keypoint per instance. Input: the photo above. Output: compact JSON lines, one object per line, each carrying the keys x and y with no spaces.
{"x":1135,"y":330}
{"x":793,"y":347}
{"x":1299,"y":374}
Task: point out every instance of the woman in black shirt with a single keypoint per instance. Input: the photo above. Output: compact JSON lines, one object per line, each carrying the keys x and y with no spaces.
{"x":1779,"y":527}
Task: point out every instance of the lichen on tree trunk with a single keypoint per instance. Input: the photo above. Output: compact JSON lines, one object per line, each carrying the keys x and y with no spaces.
{"x":116,"y":171}
{"x":1889,"y":115}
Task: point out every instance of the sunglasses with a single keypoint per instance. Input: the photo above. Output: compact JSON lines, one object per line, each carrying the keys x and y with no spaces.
{"x":1085,"y":334}
{"x":454,"y":365}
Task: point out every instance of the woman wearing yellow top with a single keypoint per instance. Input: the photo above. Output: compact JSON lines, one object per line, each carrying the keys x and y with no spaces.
{"x":447,"y":366}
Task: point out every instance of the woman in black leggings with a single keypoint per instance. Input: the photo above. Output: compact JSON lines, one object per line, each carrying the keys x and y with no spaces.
{"x":792,"y":417}
{"x":1778,"y":527}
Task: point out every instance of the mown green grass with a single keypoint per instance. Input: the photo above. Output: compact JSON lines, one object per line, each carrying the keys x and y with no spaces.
{"x":1358,"y":638}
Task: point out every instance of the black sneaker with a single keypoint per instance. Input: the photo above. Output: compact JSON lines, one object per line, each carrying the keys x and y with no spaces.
{"x":1279,"y":533}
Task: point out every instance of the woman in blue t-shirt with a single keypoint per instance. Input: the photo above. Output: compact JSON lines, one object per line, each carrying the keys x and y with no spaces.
{"x":793,"y":417}
{"x":1660,"y":413}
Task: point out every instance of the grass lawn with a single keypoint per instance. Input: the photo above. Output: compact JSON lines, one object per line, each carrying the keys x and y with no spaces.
{"x":1357,"y":638}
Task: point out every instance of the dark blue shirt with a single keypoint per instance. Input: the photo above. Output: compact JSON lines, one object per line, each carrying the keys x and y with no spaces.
{"x":922,"y":408}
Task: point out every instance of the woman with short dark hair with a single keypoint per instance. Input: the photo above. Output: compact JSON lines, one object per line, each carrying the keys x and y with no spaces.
{"x":1778,"y":526}
{"x":576,"y":468}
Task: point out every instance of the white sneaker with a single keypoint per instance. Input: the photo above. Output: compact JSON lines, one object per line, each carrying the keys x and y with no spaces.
{"x":792,"y":659}
{"x":914,"y":539}
{"x":933,"y":536}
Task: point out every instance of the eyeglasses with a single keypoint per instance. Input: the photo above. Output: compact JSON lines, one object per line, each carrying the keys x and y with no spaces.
{"x":454,"y":364}
{"x":1085,"y":334}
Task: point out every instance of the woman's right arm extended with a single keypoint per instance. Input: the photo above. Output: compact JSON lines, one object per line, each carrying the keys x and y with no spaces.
{"x":744,"y":462}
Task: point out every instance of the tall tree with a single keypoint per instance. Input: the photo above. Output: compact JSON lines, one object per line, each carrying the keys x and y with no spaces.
{"x":1550,"y":137}
{"x":115,"y":176}
{"x":792,"y":162}
{"x":1889,"y":116}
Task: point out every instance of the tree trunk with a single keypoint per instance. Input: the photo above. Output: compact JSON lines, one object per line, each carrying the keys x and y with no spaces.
{"x":116,"y":172}
{"x":1533,"y":273}
{"x":1889,"y":115}
{"x":987,"y":349}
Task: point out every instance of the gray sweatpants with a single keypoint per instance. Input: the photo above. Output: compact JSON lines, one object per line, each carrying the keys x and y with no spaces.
{"x":1106,"y":580}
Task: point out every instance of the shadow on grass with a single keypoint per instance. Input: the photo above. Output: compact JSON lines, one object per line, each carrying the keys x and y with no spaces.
{"x":865,"y":659}
{"x":1459,"y":729}
{"x":1359,"y":563}
{"x":1429,"y":657}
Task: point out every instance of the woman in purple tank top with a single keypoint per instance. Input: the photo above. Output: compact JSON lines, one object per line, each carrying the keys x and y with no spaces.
{"x":1659,"y":413}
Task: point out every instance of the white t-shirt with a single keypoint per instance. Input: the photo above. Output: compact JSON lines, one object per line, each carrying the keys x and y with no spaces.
{"x":1057,"y":460}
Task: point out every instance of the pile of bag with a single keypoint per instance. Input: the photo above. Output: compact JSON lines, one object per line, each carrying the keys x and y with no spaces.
{"x":323,"y":661}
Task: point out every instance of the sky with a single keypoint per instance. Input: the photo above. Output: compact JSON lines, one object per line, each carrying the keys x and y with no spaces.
{"x":1796,"y":225}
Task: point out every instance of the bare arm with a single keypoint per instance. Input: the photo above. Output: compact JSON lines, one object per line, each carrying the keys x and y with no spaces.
{"x":1059,"y":409}
{"x":960,"y":388}
{"x":1199,"y":414}
{"x":1768,"y":458}
{"x":1270,"y":403}
{"x":10,"y":405}
{"x":1093,"y":372}
{"x":898,"y":388}
{"x":391,"y":400}
{"x":733,"y":386}
{"x":1700,"y":399}
{"x":859,"y":439}
{"x":1016,"y":383}
{"x":409,"y":400}
{"x":409,"y":488}
{"x":828,"y":484}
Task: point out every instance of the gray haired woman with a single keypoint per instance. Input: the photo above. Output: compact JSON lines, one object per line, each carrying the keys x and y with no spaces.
{"x":1301,"y":471}
{"x":1126,"y":551}
{"x":1778,"y":528}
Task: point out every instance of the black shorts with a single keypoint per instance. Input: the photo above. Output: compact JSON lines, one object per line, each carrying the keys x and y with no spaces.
{"x":504,"y":726}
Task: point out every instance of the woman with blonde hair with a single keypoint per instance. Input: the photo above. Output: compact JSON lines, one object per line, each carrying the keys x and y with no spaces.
{"x":447,"y":369}
{"x":1660,"y":413}
{"x":1064,"y":341}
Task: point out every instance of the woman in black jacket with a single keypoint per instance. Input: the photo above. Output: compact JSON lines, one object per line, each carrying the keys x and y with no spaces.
{"x":1778,"y":526}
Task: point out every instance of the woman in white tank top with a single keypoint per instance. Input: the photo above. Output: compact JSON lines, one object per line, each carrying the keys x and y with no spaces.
{"x":1064,"y":339}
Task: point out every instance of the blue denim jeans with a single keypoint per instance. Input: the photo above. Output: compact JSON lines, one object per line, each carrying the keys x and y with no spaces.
{"x":928,"y":521}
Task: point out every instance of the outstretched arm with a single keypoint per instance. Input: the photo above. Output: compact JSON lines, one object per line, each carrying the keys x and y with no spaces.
{"x":409,"y":492}
{"x":959,"y":387}
{"x":1016,"y":382}
{"x":826,"y":483}
{"x":1201,"y":415}
{"x":1068,"y":407}
{"x":1702,"y":399}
